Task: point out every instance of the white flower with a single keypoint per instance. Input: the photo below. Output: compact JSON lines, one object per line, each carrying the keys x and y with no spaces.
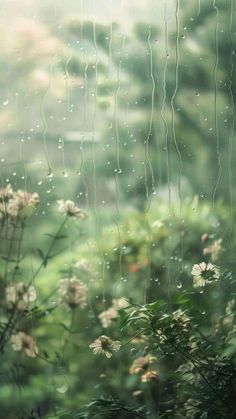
{"x":73,"y":292}
{"x":22,"y":204}
{"x":69,"y":208}
{"x":20,"y":295}
{"x":23,"y":342}
{"x":105,"y":345}
{"x":204,"y":273}
{"x":26,"y":202}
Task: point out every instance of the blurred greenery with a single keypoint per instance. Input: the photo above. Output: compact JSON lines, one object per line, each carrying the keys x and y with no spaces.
{"x":130,"y":113}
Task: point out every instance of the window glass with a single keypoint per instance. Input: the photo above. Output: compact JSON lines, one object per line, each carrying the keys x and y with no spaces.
{"x":117,"y":209}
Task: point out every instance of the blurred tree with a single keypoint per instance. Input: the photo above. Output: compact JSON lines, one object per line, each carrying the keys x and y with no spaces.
{"x":165,"y":105}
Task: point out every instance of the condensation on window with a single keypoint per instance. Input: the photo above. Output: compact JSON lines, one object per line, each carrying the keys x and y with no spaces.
{"x":117,"y":209}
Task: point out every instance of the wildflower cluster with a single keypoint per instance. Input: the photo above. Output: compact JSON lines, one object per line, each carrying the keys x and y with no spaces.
{"x":70,"y":209}
{"x":17,"y":205}
{"x":20,"y":296}
{"x":73,"y":292}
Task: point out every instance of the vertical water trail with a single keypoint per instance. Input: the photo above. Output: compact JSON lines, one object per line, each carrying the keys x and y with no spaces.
{"x":163,"y":108}
{"x":94,"y":162}
{"x":118,"y":169}
{"x":172,"y":105}
{"x":61,"y":146}
{"x":80,"y":171}
{"x":86,"y":91}
{"x":44,"y":120}
{"x":148,"y":230}
{"x":86,"y":65}
{"x":67,"y":81}
{"x":218,"y":153}
{"x":173,"y":129}
{"x":231,"y":135}
{"x":150,"y":133}
{"x":21,"y":142}
{"x":149,"y":164}
{"x":94,"y":123}
{"x":166,"y":139}
{"x":199,"y":8}
{"x":64,"y":171}
{"x":110,"y":41}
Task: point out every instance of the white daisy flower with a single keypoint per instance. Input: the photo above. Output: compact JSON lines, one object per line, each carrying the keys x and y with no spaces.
{"x":69,"y":208}
{"x":204,"y":273}
{"x":105,"y":345}
{"x":73,"y":292}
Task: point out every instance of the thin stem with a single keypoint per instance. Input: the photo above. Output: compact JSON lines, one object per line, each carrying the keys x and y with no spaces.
{"x":68,"y":334}
{"x":10,"y":248}
{"x":187,"y":356}
{"x":133,"y":337}
{"x":49,"y":250}
{"x":20,"y":241}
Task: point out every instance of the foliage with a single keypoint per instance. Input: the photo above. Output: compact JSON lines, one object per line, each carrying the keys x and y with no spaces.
{"x":181,"y":342}
{"x":131,"y":311}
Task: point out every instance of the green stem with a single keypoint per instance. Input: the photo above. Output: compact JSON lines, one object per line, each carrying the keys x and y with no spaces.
{"x":133,"y":337}
{"x":68,"y":334}
{"x":10,"y":248}
{"x":49,"y":250}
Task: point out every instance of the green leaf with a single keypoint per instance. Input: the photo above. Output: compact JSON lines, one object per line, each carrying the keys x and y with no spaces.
{"x":43,"y":257}
{"x":9,"y":259}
